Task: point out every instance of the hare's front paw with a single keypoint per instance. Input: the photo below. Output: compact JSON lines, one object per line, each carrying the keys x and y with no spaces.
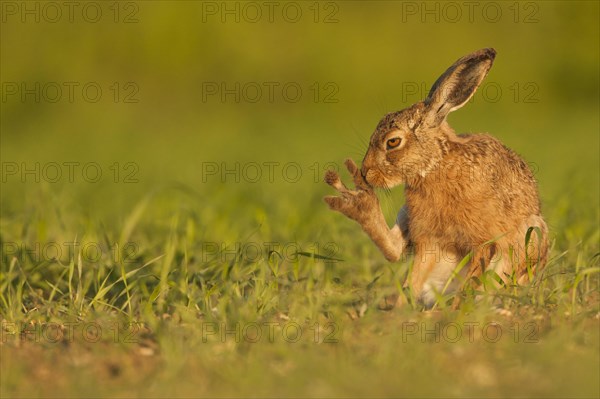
{"x":360,"y":204}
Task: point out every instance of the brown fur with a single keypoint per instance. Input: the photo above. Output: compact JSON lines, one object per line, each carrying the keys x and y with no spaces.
{"x":464,"y":193}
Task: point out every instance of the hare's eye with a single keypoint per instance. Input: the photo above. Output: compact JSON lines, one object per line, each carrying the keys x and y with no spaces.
{"x":393,"y":143}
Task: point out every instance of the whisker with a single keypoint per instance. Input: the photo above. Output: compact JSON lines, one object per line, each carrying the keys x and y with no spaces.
{"x":359,"y":145}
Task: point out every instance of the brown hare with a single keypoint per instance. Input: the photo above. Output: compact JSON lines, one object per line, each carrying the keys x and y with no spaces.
{"x":466,"y":194}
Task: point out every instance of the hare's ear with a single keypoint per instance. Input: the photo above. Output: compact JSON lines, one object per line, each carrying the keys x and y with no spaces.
{"x":458,"y":84}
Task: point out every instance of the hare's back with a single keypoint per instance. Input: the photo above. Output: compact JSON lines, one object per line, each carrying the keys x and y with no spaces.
{"x":497,"y":173}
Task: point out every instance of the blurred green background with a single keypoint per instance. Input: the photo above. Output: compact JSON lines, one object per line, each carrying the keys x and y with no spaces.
{"x":178,"y":106}
{"x":541,"y":97}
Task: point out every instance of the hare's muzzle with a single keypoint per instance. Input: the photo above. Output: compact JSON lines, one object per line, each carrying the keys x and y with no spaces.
{"x":369,"y":176}
{"x":364,"y":171}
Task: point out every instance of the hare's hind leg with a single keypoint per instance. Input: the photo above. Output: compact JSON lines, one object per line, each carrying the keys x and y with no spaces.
{"x":512,"y":255}
{"x":431,"y":274}
{"x":522,"y":253}
{"x":484,"y":258}
{"x":530,"y":248}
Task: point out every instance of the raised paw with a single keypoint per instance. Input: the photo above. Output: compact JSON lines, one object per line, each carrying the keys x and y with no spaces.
{"x":356,"y":204}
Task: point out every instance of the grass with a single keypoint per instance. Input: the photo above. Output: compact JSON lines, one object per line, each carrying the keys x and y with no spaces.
{"x":181,"y":273}
{"x":173,"y":313}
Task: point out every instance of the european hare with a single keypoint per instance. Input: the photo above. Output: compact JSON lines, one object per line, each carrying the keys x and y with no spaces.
{"x":465,"y":193}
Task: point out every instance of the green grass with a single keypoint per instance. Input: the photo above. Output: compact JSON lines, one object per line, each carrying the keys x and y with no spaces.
{"x":170,"y":260}
{"x":166,"y":312}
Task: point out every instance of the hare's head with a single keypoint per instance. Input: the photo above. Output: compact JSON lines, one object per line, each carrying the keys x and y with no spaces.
{"x":408,"y":144}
